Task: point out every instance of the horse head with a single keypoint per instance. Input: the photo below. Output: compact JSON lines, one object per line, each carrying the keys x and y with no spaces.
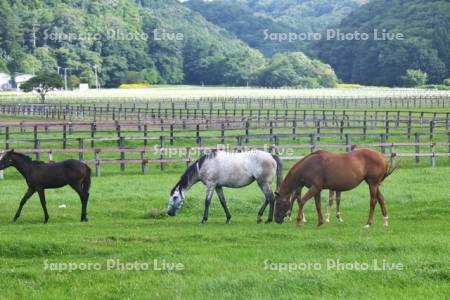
{"x":176,"y":201}
{"x":7,"y":160}
{"x":282,"y":206}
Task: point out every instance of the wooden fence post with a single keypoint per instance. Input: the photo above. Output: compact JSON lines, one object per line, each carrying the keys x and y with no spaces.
{"x":432,"y":155}
{"x":80,"y":148}
{"x":162,"y":140}
{"x":247,"y":131}
{"x":382,"y":142}
{"x":97,"y":162}
{"x":348,"y":147}
{"x":93,"y":130}
{"x":7,"y":136}
{"x":145,"y":135}
{"x":144,"y":162}
{"x":222,"y":133}
{"x":122,"y":153}
{"x":312,"y":142}
{"x":417,"y":140}
{"x":64,"y":136}
{"x":171,"y":134}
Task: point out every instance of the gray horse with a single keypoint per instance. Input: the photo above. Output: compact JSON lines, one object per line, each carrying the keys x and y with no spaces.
{"x":219,"y":169}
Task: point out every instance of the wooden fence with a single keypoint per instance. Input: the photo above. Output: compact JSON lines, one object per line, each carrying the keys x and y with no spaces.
{"x":136,"y":110}
{"x":189,"y":154}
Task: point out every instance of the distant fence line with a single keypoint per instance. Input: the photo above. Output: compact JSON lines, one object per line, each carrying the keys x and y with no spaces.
{"x":126,"y":108}
{"x":134,"y":112}
{"x":187,"y":151}
{"x":382,"y":100}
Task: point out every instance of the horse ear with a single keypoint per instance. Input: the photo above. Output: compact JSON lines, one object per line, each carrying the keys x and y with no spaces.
{"x":12,"y":151}
{"x":277,"y":194}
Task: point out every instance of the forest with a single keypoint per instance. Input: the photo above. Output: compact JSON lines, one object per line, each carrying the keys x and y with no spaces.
{"x":222,"y":42}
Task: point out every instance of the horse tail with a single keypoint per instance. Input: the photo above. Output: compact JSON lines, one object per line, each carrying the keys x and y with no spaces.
{"x":87,"y":179}
{"x":279,"y":169}
{"x":390,"y":169}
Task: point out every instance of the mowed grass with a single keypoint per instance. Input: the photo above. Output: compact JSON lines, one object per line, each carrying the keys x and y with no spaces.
{"x":223,"y":261}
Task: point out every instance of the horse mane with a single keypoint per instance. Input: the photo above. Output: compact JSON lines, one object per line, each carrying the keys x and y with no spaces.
{"x":22,"y":155}
{"x":192,"y":170}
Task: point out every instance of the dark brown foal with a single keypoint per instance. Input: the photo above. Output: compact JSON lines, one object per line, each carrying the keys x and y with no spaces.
{"x":41,"y":176}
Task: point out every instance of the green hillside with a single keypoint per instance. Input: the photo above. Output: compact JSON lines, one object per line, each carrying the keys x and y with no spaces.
{"x":425,"y":46}
{"x":252,"y":20}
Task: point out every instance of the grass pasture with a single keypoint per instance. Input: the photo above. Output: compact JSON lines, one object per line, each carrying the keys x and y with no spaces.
{"x":224,"y":261}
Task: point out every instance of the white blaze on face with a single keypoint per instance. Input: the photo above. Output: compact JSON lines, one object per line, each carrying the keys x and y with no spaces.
{"x":176,"y":200}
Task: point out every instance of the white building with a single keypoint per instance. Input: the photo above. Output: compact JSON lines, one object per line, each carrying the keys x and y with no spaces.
{"x":20,"y":78}
{"x":5,"y":82}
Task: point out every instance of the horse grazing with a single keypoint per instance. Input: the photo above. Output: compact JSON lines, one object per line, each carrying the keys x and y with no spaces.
{"x":338,"y":172}
{"x":220,"y":169}
{"x":41,"y":176}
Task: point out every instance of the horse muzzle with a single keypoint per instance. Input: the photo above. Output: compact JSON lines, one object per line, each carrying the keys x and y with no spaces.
{"x":171,"y":212}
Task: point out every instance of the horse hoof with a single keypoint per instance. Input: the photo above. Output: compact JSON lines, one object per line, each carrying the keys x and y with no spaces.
{"x":258,"y":221}
{"x":327,"y":220}
{"x":366,"y":226}
{"x":228,"y":221}
{"x":319,"y":224}
{"x":203,"y":221}
{"x":341,"y":220}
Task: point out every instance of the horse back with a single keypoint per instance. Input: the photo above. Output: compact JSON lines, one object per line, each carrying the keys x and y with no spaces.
{"x":58,"y":174}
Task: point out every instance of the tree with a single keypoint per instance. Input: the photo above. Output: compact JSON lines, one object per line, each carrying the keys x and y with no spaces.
{"x":42,"y":83}
{"x":414,"y":78}
{"x":295,"y":69}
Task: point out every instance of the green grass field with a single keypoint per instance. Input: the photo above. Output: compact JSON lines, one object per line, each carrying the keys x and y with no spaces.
{"x":219,"y":260}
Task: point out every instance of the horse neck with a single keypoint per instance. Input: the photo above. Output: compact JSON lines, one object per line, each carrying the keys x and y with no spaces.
{"x":191,"y":181}
{"x":22,"y":165}
{"x":290,"y":184}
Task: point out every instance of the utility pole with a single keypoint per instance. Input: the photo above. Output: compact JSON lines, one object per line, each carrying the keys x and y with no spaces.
{"x":65,"y":77}
{"x":96,"y":77}
{"x":59,"y":68}
{"x":34,"y":43}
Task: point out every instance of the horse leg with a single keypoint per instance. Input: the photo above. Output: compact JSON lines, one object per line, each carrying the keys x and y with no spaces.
{"x":383,"y":207}
{"x":219,"y":192}
{"x":268,"y":194}
{"x":299,"y":198}
{"x":373,"y":202}
{"x":338,"y":203}
{"x":84,"y":196}
{"x":24,"y":200}
{"x":209,"y":195}
{"x":295,"y":196}
{"x":261,"y":210}
{"x":330,"y":204}
{"x":41,"y":193}
{"x":313,"y":190}
{"x":317,"y":199}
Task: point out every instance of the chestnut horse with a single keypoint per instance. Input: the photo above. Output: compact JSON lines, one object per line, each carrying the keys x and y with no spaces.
{"x":337,"y":172}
